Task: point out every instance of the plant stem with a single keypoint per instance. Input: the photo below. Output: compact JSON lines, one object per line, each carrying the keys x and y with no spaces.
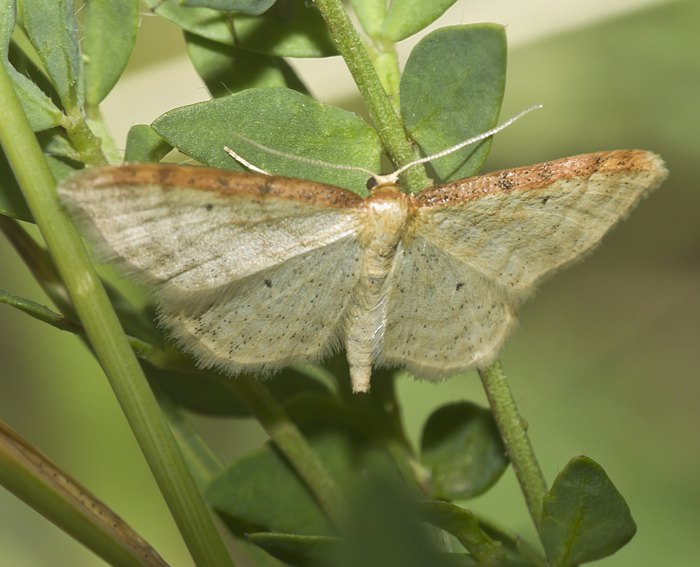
{"x":105,"y":334}
{"x":289,"y":440}
{"x":387,"y":122}
{"x":33,"y":478}
{"x":517,"y":442}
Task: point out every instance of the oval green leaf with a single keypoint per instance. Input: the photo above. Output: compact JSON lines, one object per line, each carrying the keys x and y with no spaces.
{"x":109,"y":33}
{"x":289,"y":29}
{"x":584,"y":517}
{"x":406,"y":17}
{"x":463,"y":450}
{"x":144,"y":145}
{"x":451,"y":90}
{"x":226,"y":69}
{"x":281,"y":119}
{"x":252,"y":7}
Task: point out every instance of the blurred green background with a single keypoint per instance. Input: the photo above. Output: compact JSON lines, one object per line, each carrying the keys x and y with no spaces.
{"x":607,"y":357}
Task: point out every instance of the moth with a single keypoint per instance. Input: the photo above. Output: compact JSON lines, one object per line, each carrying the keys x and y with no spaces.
{"x":254,"y":272}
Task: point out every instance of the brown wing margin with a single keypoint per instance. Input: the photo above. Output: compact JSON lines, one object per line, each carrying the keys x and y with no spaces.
{"x":542,"y":174}
{"x":222,"y":182}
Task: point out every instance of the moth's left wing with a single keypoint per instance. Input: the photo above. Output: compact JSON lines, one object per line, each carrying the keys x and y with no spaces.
{"x":442,"y":315}
{"x":475,"y":247}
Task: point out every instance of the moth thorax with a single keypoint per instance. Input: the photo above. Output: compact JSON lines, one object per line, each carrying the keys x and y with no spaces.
{"x":386,"y":211}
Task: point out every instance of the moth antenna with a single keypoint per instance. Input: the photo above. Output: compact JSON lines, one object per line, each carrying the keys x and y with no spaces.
{"x":245,"y":162}
{"x":393,"y":177}
{"x":302,"y":159}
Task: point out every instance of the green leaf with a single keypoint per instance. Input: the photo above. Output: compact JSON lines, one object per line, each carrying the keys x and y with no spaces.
{"x":451,"y":89}
{"x":289,"y":29}
{"x":252,"y":7}
{"x":465,"y":527}
{"x":55,"y":142}
{"x":463,"y":449}
{"x":293,"y":549}
{"x":226,"y":69}
{"x":584,"y":517}
{"x":261,"y":492}
{"x":281,"y":119}
{"x":207,"y":392}
{"x":40,"y":110}
{"x":383,"y":529}
{"x":12,"y":203}
{"x":144,"y":145}
{"x":109,"y":30}
{"x":40,"y":312}
{"x":406,"y":17}
{"x":53,"y":30}
{"x":371,"y":14}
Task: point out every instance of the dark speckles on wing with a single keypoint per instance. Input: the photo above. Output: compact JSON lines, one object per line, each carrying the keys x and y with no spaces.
{"x":504,"y":182}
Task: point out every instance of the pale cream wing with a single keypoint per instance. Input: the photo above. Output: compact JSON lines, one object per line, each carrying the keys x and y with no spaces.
{"x":191,"y":231}
{"x":475,"y":247}
{"x":442,"y":315}
{"x":515,"y":226}
{"x":290,"y":312}
{"x":251,"y":272}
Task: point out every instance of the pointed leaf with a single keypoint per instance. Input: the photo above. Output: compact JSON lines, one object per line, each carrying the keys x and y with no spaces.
{"x":283,"y":120}
{"x":226,"y":69}
{"x":465,"y":527}
{"x":297,"y":550}
{"x":207,"y":392}
{"x":53,"y":30}
{"x":40,"y":312}
{"x":12,"y":203}
{"x":55,"y":142}
{"x":407,"y":17}
{"x":252,"y":7}
{"x":584,"y":517}
{"x":261,"y":492}
{"x":451,"y":89}
{"x":39,"y":108}
{"x":463,"y":449}
{"x":289,"y":29}
{"x":109,"y":30}
{"x":144,"y":145}
{"x":371,"y":14}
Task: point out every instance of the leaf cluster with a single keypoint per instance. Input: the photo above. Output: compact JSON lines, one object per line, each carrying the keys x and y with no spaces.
{"x":397,"y":500}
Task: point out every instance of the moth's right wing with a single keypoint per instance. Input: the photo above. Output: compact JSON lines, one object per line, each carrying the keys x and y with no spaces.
{"x":191,"y":231}
{"x":251,"y":272}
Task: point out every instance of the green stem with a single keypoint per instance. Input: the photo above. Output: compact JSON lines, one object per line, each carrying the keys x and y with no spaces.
{"x":385,"y":118}
{"x":203,"y":463}
{"x":38,"y":482}
{"x":289,"y":440}
{"x":105,"y":334}
{"x":386,"y":62}
{"x":517,"y":442}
